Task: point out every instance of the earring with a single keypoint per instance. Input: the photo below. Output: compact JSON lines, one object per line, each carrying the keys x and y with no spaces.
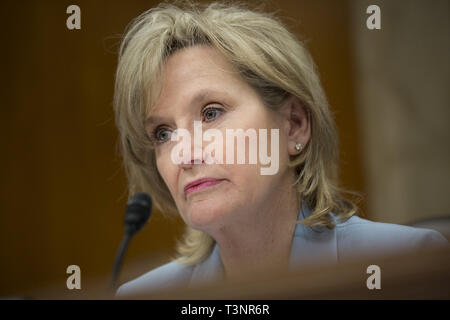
{"x":298,"y":146}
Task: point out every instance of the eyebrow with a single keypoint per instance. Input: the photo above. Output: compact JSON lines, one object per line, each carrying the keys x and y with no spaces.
{"x":199,"y":98}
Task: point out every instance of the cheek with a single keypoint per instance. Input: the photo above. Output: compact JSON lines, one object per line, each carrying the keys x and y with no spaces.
{"x":250,"y":189}
{"x":283,"y":152}
{"x":167,"y":171}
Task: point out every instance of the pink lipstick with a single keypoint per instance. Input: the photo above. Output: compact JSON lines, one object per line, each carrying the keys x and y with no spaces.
{"x":201,"y":184}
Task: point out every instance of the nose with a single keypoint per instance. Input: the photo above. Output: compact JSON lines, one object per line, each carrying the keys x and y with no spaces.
{"x":196,"y":152}
{"x":192,"y":163}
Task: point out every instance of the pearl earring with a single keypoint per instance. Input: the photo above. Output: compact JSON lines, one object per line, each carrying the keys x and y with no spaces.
{"x":298,"y":146}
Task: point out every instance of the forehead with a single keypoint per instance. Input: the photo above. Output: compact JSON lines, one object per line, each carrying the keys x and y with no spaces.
{"x":193,"y":72}
{"x":196,"y":62}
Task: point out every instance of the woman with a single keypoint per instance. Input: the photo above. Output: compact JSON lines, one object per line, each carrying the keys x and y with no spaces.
{"x":225,"y":68}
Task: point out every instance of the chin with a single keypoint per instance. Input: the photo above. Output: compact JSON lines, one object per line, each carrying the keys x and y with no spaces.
{"x":207,"y":213}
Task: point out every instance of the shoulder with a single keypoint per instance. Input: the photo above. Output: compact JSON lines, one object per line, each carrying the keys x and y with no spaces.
{"x":359,"y":235}
{"x":170,"y":275}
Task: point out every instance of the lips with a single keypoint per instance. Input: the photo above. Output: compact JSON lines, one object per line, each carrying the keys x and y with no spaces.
{"x":201,"y":184}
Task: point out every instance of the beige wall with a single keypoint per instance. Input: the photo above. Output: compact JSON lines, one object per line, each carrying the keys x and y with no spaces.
{"x":402,"y":78}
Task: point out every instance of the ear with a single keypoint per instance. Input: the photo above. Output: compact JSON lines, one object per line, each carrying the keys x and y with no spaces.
{"x":296,"y":124}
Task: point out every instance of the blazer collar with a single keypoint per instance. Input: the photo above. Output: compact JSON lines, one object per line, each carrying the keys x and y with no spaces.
{"x":310,"y":246}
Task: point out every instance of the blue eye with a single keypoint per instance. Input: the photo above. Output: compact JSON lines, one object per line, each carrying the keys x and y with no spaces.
{"x":211,"y":113}
{"x":161,"y":134}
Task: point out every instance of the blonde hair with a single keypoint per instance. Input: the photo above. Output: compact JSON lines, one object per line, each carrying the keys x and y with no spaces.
{"x":269,"y":58}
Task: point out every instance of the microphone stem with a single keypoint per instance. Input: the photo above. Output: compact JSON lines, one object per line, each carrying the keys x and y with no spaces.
{"x":119,"y":257}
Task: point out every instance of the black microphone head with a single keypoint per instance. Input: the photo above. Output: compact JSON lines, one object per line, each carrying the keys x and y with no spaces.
{"x":137,"y":212}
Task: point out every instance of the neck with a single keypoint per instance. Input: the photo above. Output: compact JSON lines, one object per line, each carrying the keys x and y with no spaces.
{"x":260,"y":242}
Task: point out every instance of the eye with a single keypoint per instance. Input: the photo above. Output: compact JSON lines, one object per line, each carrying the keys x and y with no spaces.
{"x":211,"y":113}
{"x":161,"y":135}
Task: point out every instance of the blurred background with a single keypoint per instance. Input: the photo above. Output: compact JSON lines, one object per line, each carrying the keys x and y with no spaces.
{"x":62,"y":187}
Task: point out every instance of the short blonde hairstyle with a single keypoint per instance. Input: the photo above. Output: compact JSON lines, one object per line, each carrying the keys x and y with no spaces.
{"x":268,"y":57}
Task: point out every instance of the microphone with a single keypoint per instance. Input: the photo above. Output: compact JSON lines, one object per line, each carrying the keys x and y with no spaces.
{"x":137,"y":213}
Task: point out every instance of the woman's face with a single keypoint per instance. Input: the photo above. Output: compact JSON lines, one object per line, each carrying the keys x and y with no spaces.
{"x":199,"y":84}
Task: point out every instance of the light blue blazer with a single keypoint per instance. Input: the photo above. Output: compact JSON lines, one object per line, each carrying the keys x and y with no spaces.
{"x":354,"y":238}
